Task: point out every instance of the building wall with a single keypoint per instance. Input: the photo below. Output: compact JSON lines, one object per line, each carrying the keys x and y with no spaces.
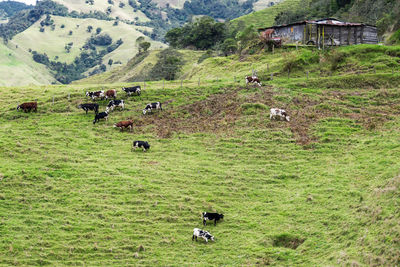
{"x":291,"y":34}
{"x":331,"y":34}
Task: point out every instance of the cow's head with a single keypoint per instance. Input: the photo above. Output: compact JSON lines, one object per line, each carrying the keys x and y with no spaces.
{"x":221,"y":215}
{"x":87,"y":93}
{"x":209,"y":237}
{"x":146,"y":145}
{"x":144,"y":111}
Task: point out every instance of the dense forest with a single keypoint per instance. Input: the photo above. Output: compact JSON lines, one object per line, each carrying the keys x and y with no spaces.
{"x":10,"y":8}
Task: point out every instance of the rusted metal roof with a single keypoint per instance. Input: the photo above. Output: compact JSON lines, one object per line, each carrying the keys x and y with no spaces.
{"x":327,"y":21}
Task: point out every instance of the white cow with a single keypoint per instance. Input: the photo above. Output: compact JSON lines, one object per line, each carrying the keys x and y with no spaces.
{"x":276,"y":113}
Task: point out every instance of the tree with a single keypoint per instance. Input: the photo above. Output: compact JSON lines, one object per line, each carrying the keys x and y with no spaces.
{"x":89,"y":28}
{"x":244,"y":37}
{"x":144,"y":46}
{"x":110,"y":62}
{"x":70,"y":33}
{"x":98,"y":30}
{"x":229,"y":46}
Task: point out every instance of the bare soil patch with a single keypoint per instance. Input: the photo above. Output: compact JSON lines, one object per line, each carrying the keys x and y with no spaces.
{"x":220,"y":112}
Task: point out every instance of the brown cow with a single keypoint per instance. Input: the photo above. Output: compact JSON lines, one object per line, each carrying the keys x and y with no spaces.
{"x":111,"y":94}
{"x":28,"y":106}
{"x":253,"y":79}
{"x":124,"y":124}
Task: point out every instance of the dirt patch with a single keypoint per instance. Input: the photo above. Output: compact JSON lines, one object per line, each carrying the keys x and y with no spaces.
{"x":221,"y":112}
{"x":287,"y":241}
{"x":218,"y":112}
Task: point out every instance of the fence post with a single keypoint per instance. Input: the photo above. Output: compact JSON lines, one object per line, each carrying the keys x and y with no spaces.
{"x":272,"y":76}
{"x":307,"y":74}
{"x":69,"y":96}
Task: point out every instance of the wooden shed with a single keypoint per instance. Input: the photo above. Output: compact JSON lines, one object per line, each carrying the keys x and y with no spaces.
{"x":324,"y":32}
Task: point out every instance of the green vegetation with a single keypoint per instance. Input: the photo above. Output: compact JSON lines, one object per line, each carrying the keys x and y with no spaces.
{"x":18,"y":68}
{"x":266,"y":17}
{"x":204,"y":33}
{"x":10,"y":8}
{"x":322,"y":189}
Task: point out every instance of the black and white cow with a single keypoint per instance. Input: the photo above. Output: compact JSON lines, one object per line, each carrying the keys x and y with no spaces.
{"x":140,"y":144}
{"x":89,"y":106}
{"x":97,"y":94}
{"x":132,"y":90}
{"x":101,"y":115}
{"x":203,"y":234}
{"x":208,"y":216}
{"x":151,"y":106}
{"x":276,"y":113}
{"x":115,"y":103}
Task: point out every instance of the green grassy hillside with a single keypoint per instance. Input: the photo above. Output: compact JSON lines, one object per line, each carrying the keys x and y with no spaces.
{"x":16,"y":68}
{"x":322,"y":189}
{"x":266,"y":17}
{"x":135,"y":69}
{"x":53,"y":42}
{"x":125,"y":12}
{"x":338,"y":62}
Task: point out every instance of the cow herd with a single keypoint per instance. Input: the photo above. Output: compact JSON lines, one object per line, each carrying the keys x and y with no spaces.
{"x":275,"y":113}
{"x":113,"y":104}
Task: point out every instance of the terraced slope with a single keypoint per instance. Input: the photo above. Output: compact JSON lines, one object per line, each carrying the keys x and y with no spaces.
{"x":73,"y":193}
{"x":17,"y":68}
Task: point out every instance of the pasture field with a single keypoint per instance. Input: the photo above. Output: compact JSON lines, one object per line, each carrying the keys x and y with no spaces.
{"x":53,"y":42}
{"x":322,"y":189}
{"x":15,"y":67}
{"x":266,"y":17}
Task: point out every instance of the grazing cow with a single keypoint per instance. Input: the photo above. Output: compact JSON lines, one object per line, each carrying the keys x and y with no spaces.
{"x":97,"y":94}
{"x":124,"y":124}
{"x":203,"y":234}
{"x":276,"y":113}
{"x":101,"y":115}
{"x":89,"y":106}
{"x":111,"y":94}
{"x":131,"y":90}
{"x":140,"y":144}
{"x":28,"y":106}
{"x":150,"y":107}
{"x":253,"y":79}
{"x":212,"y":216}
{"x":115,"y":103}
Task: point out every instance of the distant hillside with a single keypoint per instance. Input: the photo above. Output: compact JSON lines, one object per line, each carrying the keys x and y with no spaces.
{"x":10,"y":8}
{"x":18,"y":68}
{"x":266,"y":17}
{"x":139,"y":68}
{"x":53,"y":42}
